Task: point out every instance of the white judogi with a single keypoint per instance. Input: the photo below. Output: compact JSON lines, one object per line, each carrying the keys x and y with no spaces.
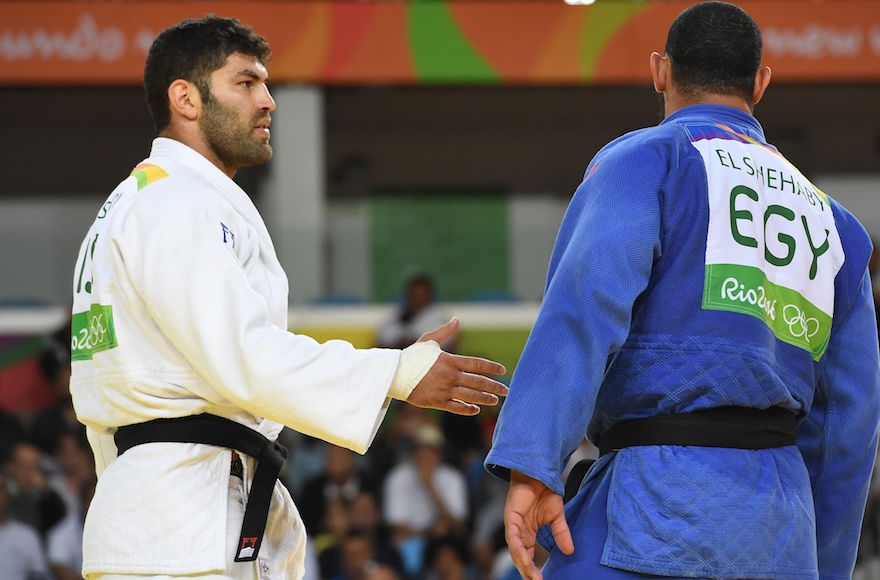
{"x":180,"y":308}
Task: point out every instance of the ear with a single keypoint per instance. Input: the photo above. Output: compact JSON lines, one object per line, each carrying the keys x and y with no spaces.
{"x":762,"y":80}
{"x":184,"y":99}
{"x":659,"y":71}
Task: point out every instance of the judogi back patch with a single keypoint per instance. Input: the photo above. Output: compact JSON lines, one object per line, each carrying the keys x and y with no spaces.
{"x":772,"y":249}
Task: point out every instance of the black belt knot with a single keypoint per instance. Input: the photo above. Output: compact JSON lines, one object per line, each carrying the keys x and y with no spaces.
{"x":217,"y":431}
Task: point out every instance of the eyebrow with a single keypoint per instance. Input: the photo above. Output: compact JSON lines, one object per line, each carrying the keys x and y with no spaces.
{"x":249,"y":73}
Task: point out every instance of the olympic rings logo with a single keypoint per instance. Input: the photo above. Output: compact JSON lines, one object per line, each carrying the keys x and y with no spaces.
{"x":97,"y":329}
{"x":90,"y":337}
{"x":798,"y":323}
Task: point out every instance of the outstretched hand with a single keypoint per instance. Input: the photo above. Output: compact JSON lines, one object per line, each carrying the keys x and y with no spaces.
{"x":457,"y":383}
{"x":530,"y":505}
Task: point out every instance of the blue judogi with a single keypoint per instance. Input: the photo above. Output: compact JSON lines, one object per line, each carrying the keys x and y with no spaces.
{"x":637,"y":322}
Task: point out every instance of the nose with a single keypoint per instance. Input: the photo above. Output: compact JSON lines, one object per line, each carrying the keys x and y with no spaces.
{"x":267,"y":103}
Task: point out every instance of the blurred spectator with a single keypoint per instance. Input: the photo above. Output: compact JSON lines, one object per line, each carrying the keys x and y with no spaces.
{"x":73,"y":460}
{"x":382,"y":572}
{"x":341,"y":480}
{"x":11,"y":433}
{"x":328,"y":544}
{"x":395,"y":440}
{"x":60,"y":418}
{"x":358,"y":556}
{"x":306,"y":460}
{"x":464,"y":438}
{"x":21,"y":555}
{"x":407,"y":423}
{"x":418,"y":314}
{"x":487,"y":538}
{"x":64,"y":541}
{"x":312,"y":568}
{"x":365,"y":516}
{"x":446,"y":558}
{"x":33,"y":501}
{"x":424,"y":496}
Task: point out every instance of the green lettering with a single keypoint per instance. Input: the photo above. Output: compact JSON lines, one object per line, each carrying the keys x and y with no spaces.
{"x":741,"y":214}
{"x":732,"y":164}
{"x":816,"y":251}
{"x":719,"y":152}
{"x":748,"y":163}
{"x":771,"y":177}
{"x":786,"y":239}
{"x":87,"y":255}
{"x":784,"y":181}
{"x":815,"y":196}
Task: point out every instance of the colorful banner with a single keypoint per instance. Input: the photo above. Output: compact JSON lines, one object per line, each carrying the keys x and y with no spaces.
{"x":453,"y":41}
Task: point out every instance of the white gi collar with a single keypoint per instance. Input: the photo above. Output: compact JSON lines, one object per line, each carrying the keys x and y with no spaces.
{"x":177,"y":152}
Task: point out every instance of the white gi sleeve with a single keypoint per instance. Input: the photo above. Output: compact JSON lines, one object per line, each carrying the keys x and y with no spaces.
{"x":171,"y":247}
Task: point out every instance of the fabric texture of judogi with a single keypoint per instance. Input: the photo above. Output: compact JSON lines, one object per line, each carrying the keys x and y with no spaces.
{"x":180,"y":308}
{"x":697,"y":268}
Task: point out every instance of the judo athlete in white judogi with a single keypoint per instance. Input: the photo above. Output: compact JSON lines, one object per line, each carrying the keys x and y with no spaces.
{"x":183,"y":368}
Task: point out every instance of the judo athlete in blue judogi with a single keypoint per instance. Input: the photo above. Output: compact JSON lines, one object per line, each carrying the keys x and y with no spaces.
{"x":708,"y":323}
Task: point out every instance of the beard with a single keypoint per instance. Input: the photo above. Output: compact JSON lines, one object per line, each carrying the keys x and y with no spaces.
{"x":229,"y":135}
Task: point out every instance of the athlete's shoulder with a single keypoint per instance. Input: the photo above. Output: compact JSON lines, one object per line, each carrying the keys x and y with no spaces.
{"x":164,"y":185}
{"x":160,"y":195}
{"x":845,"y":220}
{"x":647,"y":151}
{"x":652,"y":141}
{"x":856,"y":241}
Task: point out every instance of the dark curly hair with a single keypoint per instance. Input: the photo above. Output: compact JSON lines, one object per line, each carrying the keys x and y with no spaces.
{"x":192,"y":50}
{"x":715,"y":47}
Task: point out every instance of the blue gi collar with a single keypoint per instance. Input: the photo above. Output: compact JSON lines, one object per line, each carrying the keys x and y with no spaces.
{"x":719,"y":114}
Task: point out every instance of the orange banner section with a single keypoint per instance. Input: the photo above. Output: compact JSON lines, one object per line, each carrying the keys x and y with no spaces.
{"x":804,"y":41}
{"x":456,"y":41}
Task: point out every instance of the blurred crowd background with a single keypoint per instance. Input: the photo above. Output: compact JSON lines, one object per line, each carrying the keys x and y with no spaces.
{"x":424,"y":155}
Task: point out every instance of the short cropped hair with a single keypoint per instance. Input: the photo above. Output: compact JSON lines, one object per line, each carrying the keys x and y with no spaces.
{"x":715,"y":47}
{"x":192,"y":50}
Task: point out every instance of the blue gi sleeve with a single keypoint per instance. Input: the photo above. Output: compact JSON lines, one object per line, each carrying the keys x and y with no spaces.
{"x":601,"y":262}
{"x":838,"y":439}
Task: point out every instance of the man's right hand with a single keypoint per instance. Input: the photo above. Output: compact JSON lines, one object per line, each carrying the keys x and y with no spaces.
{"x":530,"y":505}
{"x":457,"y":383}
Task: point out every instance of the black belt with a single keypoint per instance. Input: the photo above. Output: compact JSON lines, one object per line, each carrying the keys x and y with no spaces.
{"x":730,"y":427}
{"x":734,"y":427}
{"x":212,"y":430}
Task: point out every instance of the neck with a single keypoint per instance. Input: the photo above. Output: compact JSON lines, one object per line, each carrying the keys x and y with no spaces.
{"x":195,"y":142}
{"x":673,"y":102}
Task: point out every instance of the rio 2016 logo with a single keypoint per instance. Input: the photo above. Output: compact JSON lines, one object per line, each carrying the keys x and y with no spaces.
{"x":732,"y":289}
{"x":91,"y":336}
{"x":798,"y":323}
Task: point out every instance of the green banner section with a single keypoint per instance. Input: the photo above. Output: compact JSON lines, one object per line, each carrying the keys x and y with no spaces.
{"x":440,"y":51}
{"x":91,"y":332}
{"x":791,"y":317}
{"x":460,"y":241}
